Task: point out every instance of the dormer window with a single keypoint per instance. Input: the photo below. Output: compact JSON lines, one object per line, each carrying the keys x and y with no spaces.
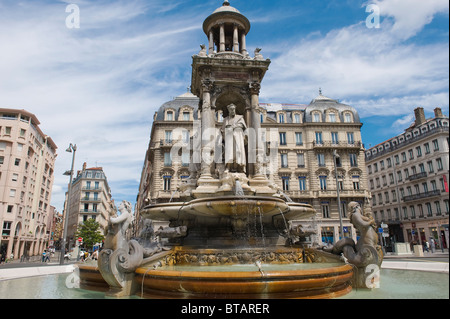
{"x":169,"y":116}
{"x":316,"y":117}
{"x":332,"y":117}
{"x":348,"y":118}
{"x":297,"y":118}
{"x":281,"y":118}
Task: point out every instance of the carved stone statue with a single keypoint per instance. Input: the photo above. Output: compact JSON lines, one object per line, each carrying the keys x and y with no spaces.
{"x":366,"y":251}
{"x":119,"y":257}
{"x":233,"y":131}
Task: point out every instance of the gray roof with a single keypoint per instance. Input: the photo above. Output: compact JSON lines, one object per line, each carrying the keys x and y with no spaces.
{"x":186,"y":99}
{"x":322,"y":103}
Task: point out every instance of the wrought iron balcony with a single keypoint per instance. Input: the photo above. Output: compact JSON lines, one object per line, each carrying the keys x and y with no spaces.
{"x":422,"y":195}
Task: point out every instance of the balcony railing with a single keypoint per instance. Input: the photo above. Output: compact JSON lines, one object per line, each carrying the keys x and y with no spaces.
{"x":422,"y":195}
{"x":417,"y":176}
{"x":337,"y":145}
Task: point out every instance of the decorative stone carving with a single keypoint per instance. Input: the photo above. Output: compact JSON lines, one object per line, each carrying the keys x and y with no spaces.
{"x":119,"y":258}
{"x":203,"y":52}
{"x":366,"y":251}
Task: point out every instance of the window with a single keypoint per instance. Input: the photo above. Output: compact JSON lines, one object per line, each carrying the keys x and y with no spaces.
{"x":404,"y":157}
{"x":95,"y":196}
{"x":389,"y":162}
{"x":87,"y":195}
{"x":8,"y":130}
{"x":430,"y":167}
{"x":397,"y":159}
{"x":334,"y":138}
{"x":96,"y":185}
{"x":429,"y":209}
{"x":413,"y":211}
{"x":353,"y":160}
{"x":316,"y":117}
{"x":350,"y":138}
{"x":438,"y":208}
{"x":284,"y":160}
{"x":12,"y":193}
{"x":356,"y":184}
{"x":185,"y":136}
{"x":435,"y":145}
{"x":17,"y":161}
{"x":86,"y":207}
{"x":411,"y":154}
{"x":300,"y":160}
{"x":2,"y":159}
{"x":405,"y":213}
{"x":9,"y":209}
{"x":281,"y":118}
{"x":167,"y":159}
{"x":422,"y":168}
{"x":427,"y":148}
{"x":283,"y":138}
{"x":285,"y":181}
{"x":169,"y":116}
{"x":418,"y":151}
{"x":297,"y":118}
{"x":399,"y":176}
{"x":186,"y":116}
{"x":185,"y":159}
{"x":15,"y":177}
{"x":321,"y":159}
{"x":319,"y":138}
{"x":323,"y":182}
{"x":167,"y":180}
{"x":439,"y":164}
{"x":6,"y":228}
{"x":325,"y":211}
{"x":332,"y":117}
{"x":298,"y":138}
{"x":168,"y":136}
{"x":302,"y":183}
{"x":348,"y":118}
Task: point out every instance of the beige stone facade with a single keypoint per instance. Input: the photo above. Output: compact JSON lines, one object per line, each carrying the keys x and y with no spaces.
{"x":408,"y":178}
{"x":27,"y":159}
{"x":90,"y":198}
{"x":299,"y":139}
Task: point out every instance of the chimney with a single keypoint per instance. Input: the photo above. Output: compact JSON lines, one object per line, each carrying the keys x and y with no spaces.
{"x":420,"y":115}
{"x":438,"y":112}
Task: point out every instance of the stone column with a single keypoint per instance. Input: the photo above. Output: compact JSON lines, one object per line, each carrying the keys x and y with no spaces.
{"x":222,"y":38}
{"x":235,"y":39}
{"x":243,"y":44}
{"x":211,"y":42}
{"x":206,"y":182}
{"x":259,"y":181}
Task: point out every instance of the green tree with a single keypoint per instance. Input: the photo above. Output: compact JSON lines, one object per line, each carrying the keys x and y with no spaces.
{"x":89,"y":230}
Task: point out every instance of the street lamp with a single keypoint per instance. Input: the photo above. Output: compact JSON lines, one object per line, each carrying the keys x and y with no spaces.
{"x":341,"y":227}
{"x":66,"y":214}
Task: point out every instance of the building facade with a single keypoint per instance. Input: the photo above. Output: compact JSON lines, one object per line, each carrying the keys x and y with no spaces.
{"x":408,"y":178}
{"x":27,"y":159}
{"x":90,"y":198}
{"x":300,"y":141}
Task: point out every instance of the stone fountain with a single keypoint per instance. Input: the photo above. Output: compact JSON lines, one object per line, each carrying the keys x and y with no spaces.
{"x":230,"y":235}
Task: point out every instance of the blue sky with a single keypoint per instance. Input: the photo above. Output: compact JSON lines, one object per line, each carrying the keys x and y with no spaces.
{"x":99,"y":85}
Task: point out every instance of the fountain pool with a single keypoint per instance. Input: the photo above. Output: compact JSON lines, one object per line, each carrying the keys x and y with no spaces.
{"x":394,"y":284}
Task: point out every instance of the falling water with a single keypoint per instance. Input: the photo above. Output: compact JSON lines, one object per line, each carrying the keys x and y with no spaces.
{"x":285,"y":223}
{"x":288,"y":199}
{"x":262,"y":228}
{"x":171,"y":197}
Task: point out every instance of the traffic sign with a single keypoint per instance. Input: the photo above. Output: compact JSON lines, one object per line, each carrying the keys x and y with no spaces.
{"x":380,"y":230}
{"x":80,"y":239}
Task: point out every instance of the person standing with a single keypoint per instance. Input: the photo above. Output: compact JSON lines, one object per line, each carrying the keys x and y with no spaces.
{"x":432,"y":244}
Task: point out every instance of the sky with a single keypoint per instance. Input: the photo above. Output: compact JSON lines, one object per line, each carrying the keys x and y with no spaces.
{"x":96,"y":82}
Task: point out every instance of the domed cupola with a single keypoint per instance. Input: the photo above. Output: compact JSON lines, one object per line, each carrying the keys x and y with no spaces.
{"x":226,"y":29}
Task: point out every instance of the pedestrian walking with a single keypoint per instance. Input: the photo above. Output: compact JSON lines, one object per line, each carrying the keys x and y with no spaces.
{"x":43,"y":256}
{"x":426,"y":247}
{"x":432,"y":244}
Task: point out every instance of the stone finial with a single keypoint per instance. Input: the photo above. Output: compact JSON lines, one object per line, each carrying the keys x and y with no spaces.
{"x":226,"y":3}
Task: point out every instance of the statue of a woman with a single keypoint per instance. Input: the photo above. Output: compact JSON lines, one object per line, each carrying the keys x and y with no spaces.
{"x":233,"y":129}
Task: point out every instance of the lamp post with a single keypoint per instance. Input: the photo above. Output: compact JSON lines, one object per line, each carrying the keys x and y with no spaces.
{"x":71,"y":149}
{"x":341,"y":227}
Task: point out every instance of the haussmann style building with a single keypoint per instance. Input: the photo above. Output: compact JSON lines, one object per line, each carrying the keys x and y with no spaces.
{"x":302,"y":141}
{"x":27,"y":160}
{"x":408,"y":177}
{"x":90,"y":198}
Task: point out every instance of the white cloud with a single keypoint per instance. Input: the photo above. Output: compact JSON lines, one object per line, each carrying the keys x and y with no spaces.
{"x":97,"y":86}
{"x":410,"y":16}
{"x":358,"y":63}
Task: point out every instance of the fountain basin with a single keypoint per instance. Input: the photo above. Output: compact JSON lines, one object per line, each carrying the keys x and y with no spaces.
{"x":230,"y":207}
{"x":321,"y":281}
